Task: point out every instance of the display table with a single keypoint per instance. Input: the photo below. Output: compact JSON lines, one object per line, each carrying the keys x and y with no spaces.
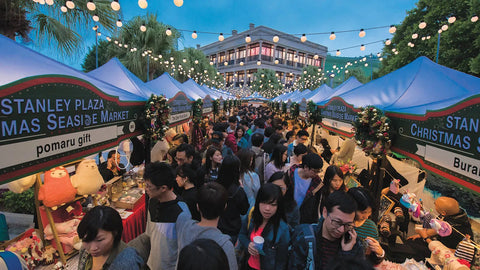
{"x":134,"y":225}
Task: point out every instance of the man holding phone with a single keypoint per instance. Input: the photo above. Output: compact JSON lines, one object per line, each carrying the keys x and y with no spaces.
{"x":334,"y":235}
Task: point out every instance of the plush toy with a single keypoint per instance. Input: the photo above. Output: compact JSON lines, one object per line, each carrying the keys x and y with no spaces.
{"x":22,"y":184}
{"x":67,"y":233}
{"x":87,"y":179}
{"x":395,"y":186}
{"x":443,"y":256}
{"x":407,"y":199}
{"x":57,"y":188}
{"x":441,"y":227}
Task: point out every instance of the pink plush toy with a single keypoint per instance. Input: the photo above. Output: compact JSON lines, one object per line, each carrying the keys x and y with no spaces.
{"x":395,"y":186}
{"x":57,"y":188}
{"x":441,"y":227}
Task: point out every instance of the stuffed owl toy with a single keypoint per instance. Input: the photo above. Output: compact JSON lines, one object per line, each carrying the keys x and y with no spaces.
{"x":57,"y":188}
{"x":87,"y":179}
{"x":22,"y":184}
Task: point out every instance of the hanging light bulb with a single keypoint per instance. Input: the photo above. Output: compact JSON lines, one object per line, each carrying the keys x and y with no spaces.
{"x":91,"y":5}
{"x":276,"y":62}
{"x":95,"y":18}
{"x":396,"y":52}
{"x":108,"y":39}
{"x":259,"y":63}
{"x":276,"y":39}
{"x":444,"y":27}
{"x":303,"y":38}
{"x":119,"y":23}
{"x":422,"y":25}
{"x":388,"y":42}
{"x":366,"y":64}
{"x":184,"y":60}
{"x":194,"y":34}
{"x":248,"y":39}
{"x":332,"y":36}
{"x":142,"y":4}
{"x":474,"y":18}
{"x":362,"y":33}
{"x":63,"y":9}
{"x":196,"y":62}
{"x":392,"y":29}
{"x":380,"y":59}
{"x":315,"y":56}
{"x":379,"y":54}
{"x":440,"y":31}
{"x":428,"y":37}
{"x":143,"y":28}
{"x":49,"y":2}
{"x":241,"y":63}
{"x":168,"y":32}
{"x":178,"y":3}
{"x":211,"y":63}
{"x":225,"y":63}
{"x":221,"y":37}
{"x":338,"y":52}
{"x":423,"y":38}
{"x":415,"y":36}
{"x":115,"y":5}
{"x":362,"y":48}
{"x":70,"y":4}
{"x":452,"y":19}
{"x":41,"y":2}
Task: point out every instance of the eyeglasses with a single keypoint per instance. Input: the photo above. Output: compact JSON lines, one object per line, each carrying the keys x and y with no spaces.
{"x":337,"y":224}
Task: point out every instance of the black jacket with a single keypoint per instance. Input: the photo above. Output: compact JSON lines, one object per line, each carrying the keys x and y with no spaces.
{"x":237,"y":204}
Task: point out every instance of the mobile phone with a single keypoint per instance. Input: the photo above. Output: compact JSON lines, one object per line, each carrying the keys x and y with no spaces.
{"x":347,"y":237}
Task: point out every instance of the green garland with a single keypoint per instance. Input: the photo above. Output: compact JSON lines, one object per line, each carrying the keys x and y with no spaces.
{"x":197,"y":111}
{"x":373,"y":131}
{"x":314,"y":114}
{"x":284,"y":107}
{"x":216,"y":106}
{"x":294,"y":109}
{"x":157,"y":112}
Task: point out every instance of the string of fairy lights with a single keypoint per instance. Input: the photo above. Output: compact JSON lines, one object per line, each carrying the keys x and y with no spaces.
{"x":202,"y":78}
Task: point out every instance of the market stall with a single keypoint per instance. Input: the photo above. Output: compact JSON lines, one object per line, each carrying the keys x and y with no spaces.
{"x":52,"y":117}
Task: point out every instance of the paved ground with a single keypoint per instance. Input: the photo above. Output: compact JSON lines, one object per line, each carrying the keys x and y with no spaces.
{"x":18,"y":223}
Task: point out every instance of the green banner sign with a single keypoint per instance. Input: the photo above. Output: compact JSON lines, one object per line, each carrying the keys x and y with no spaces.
{"x":181,"y":109}
{"x":446,"y":142}
{"x":48,"y":121}
{"x":338,"y":116}
{"x":207,"y":105}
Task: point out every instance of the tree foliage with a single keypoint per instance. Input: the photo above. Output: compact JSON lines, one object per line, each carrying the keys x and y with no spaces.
{"x":311,"y":78}
{"x":266,"y":83}
{"x":52,"y":27}
{"x":459,"y":45}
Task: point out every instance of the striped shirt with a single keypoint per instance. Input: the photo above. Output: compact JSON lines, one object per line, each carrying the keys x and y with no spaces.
{"x":369,"y":228}
{"x":327,"y":251}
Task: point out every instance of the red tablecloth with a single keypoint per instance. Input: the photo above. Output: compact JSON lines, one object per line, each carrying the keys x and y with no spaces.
{"x":134,"y":225}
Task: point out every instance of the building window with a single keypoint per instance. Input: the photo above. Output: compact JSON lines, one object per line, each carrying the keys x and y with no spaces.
{"x":290,"y":54}
{"x":280,"y":55}
{"x":221,"y":57}
{"x":253,"y":52}
{"x":301,"y":60}
{"x":241,"y":54}
{"x":230,"y":58}
{"x":267,"y":50}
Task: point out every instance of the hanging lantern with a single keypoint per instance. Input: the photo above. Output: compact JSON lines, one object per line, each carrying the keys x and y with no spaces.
{"x":444,"y":27}
{"x":392,"y":29}
{"x":241,"y":63}
{"x":276,"y":62}
{"x":119,"y":23}
{"x":362,"y":33}
{"x":248,"y":39}
{"x":221,"y":37}
{"x":415,"y":36}
{"x":196,"y":62}
{"x":95,"y":18}
{"x":362,"y":48}
{"x":70,"y":4}
{"x":422,"y":25}
{"x":90,"y":5}
{"x":338,"y":52}
{"x":474,"y":18}
{"x":168,"y":32}
{"x":452,"y":19}
{"x":332,"y":36}
{"x":259,"y":63}
{"x":211,"y":64}
{"x":388,"y":42}
{"x":49,"y":2}
{"x":225,"y":63}
{"x":142,"y":4}
{"x":303,"y":38}
{"x":115,"y":5}
{"x":143,"y":28}
{"x":178,"y":3}
{"x":194,"y":34}
{"x":315,"y":56}
{"x":108,"y":39}
{"x":276,"y":39}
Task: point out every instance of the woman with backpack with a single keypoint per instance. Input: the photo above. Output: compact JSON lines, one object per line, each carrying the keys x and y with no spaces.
{"x":249,"y":180}
{"x":267,"y":221}
{"x":237,"y":203}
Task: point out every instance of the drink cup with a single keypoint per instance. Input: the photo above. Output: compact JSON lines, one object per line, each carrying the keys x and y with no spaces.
{"x":258,"y":241}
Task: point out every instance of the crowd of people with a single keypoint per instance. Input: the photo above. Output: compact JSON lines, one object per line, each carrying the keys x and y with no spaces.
{"x":254,"y":177}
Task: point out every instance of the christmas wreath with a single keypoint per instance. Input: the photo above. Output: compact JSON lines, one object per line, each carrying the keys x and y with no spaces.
{"x":373,"y":131}
{"x":314,"y":114}
{"x":216,"y":106}
{"x":197,"y":111}
{"x":157,"y":111}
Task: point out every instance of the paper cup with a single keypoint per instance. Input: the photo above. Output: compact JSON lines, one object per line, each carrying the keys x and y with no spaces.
{"x":258,"y":241}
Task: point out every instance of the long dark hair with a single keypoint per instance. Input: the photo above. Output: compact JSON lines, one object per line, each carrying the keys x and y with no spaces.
{"x":208,"y":157}
{"x":277,"y":155}
{"x":246,"y":160}
{"x":288,"y":198}
{"x":330,"y":173}
{"x":269,"y":193}
{"x":229,"y":172}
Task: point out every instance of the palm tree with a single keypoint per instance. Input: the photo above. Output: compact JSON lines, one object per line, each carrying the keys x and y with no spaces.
{"x":51,"y":26}
{"x":153,"y":47}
